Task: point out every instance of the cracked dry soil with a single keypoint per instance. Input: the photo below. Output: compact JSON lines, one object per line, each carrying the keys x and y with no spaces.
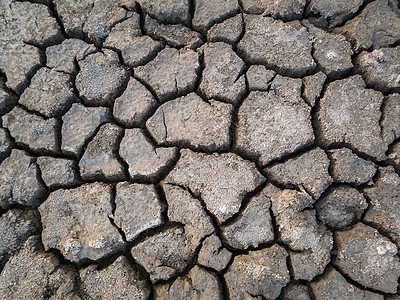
{"x":196,"y":149}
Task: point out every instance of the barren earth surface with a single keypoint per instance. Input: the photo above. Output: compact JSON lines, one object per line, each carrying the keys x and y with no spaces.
{"x":197,"y":149}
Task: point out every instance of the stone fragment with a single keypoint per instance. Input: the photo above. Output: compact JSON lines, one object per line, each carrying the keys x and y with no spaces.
{"x":331,"y":52}
{"x":341,"y":207}
{"x":134,"y":105}
{"x":19,"y":181}
{"x":185,"y":209}
{"x":5,"y":144}
{"x":229,"y":31}
{"x":299,"y":230}
{"x":334,"y":12}
{"x":35,"y":274}
{"x":167,"y":11}
{"x":381,"y":68}
{"x":334,"y":286}
{"x":213,"y":255}
{"x":16,"y":226}
{"x":49,"y":93}
{"x":165,"y":254}
{"x":223,"y":76}
{"x":350,"y":114}
{"x":85,"y":232}
{"x":375,"y":27}
{"x":259,"y":77}
{"x":29,"y":23}
{"x":208,"y":13}
{"x":103,"y":16}
{"x":62,"y":57}
{"x":142,"y":157}
{"x":117,"y":281}
{"x":259,"y":273}
{"x":135,"y":50}
{"x":19,"y":71}
{"x":368,"y":258}
{"x":313,"y":85}
{"x":138,"y":208}
{"x":253,"y":226}
{"x":286,"y":10}
{"x":57,"y":172}
{"x":100,"y":159}
{"x":80,"y":124}
{"x":197,"y":284}
{"x":275,"y":123}
{"x":221,"y":180}
{"x":31,"y":130}
{"x":295,"y":291}
{"x":308,"y":171}
{"x":284,"y":47}
{"x":172,"y":73}
{"x":384,"y":209}
{"x":190,"y":120}
{"x":101,"y":78}
{"x":176,"y":36}
{"x":347,"y":167}
{"x":390,"y":118}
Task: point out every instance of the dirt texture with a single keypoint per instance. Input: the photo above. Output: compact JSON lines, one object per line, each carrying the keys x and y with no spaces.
{"x":197,"y":149}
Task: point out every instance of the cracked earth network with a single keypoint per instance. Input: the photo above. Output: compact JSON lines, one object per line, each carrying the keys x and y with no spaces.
{"x":196,"y":149}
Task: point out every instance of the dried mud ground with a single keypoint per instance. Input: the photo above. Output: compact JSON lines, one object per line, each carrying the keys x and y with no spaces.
{"x":196,"y":149}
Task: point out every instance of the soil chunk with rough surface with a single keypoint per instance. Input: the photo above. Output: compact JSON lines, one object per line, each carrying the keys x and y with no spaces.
{"x":192,"y":121}
{"x":253,"y":226}
{"x":349,"y":168}
{"x":284,"y":47}
{"x":275,"y":123}
{"x":142,"y":157}
{"x":172,"y":73}
{"x":33,"y":131}
{"x":309,"y":171}
{"x":221,"y":180}
{"x":368,"y":258}
{"x":263,"y":272}
{"x":100,"y":160}
{"x":101,"y":78}
{"x":222,"y":76}
{"x":117,"y":281}
{"x":138,"y":208}
{"x":334,"y":286}
{"x":341,"y":207}
{"x":85,"y":233}
{"x":57,"y":172}
{"x":213,"y":255}
{"x":35,"y":273}
{"x":350,"y":113}
{"x":197,"y":284}
{"x":80,"y":124}
{"x":384,"y":209}
{"x":19,"y":181}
